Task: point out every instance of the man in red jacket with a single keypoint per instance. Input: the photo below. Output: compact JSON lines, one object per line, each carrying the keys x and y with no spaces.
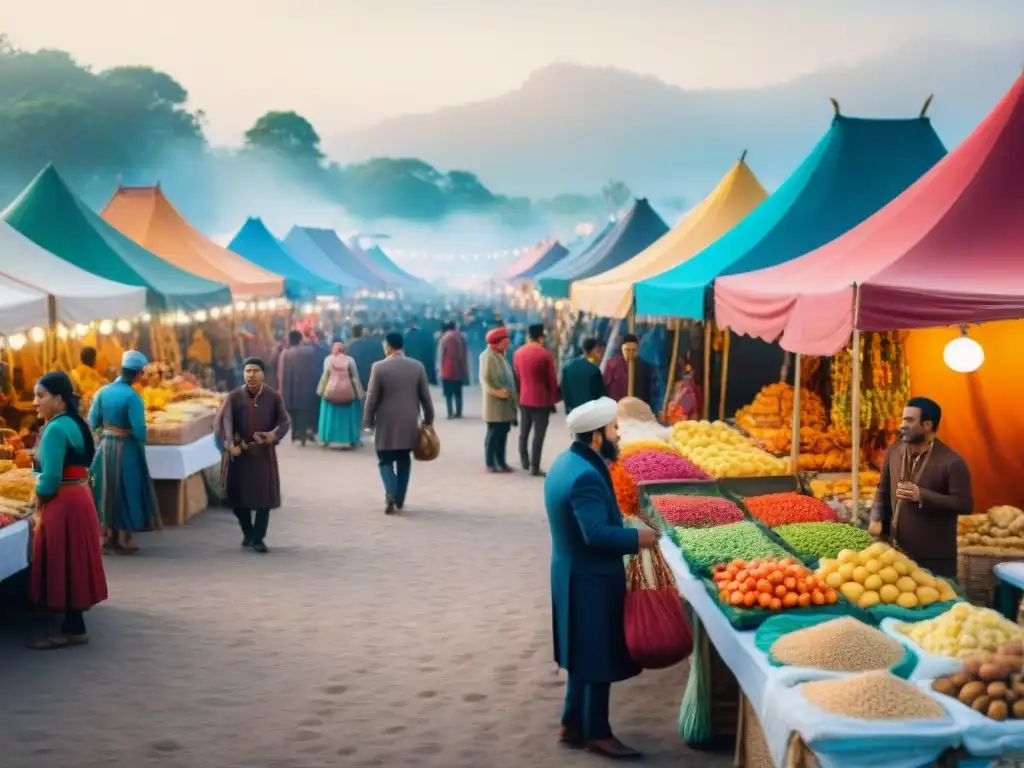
{"x":537,"y":379}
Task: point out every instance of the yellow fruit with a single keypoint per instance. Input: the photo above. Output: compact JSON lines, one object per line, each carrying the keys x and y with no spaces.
{"x":906,"y":584}
{"x":848,"y":556}
{"x":901,"y":567}
{"x":923,"y":578}
{"x":907,"y":600}
{"x":827,"y":565}
{"x":889,"y":575}
{"x":846,"y":571}
{"x":888,"y":593}
{"x":834,"y":580}
{"x":889,"y":556}
{"x":874,"y":566}
{"x":868,"y":599}
{"x":877,"y":548}
{"x":927,"y":595}
{"x":873,"y":582}
{"x":860,"y":574}
{"x":852,"y":591}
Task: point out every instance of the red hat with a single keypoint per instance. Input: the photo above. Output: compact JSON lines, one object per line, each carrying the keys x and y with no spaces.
{"x":497,"y":335}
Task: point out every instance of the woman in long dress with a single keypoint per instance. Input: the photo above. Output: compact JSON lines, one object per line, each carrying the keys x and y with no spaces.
{"x":341,"y":404}
{"x":67,"y":565}
{"x":122,"y":487}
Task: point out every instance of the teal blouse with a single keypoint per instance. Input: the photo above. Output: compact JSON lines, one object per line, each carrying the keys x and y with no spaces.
{"x":60,"y":436}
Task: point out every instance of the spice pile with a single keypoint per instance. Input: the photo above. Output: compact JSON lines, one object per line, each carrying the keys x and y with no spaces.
{"x":625,"y":489}
{"x":696,"y":511}
{"x":771,"y":584}
{"x":963,"y":630}
{"x":774,"y":509}
{"x":839,"y":645}
{"x":704,"y":548}
{"x":823,"y":539}
{"x":654,"y":466}
{"x":881,"y":574}
{"x":876,"y":695}
{"x":991,"y":684}
{"x":640,"y":446}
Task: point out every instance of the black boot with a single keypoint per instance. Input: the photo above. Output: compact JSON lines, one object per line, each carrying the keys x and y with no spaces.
{"x":259,"y":531}
{"x":245,"y":523}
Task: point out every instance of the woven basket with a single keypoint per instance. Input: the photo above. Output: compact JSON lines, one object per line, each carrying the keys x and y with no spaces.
{"x":751,"y":746}
{"x":974,"y":571}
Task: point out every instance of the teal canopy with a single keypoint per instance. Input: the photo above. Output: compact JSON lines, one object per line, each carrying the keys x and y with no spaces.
{"x":52,"y":216}
{"x":857,"y":168}
{"x":640,"y":227}
{"x":257,"y":244}
{"x":413,"y":282}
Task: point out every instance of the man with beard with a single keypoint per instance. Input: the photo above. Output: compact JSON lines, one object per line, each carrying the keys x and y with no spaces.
{"x":924,"y":486}
{"x":588,"y":581}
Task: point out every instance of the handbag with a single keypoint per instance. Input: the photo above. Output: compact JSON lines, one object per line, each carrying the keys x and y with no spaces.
{"x":321,"y":387}
{"x":658,"y":634}
{"x":428,"y":445}
{"x":338,"y":390}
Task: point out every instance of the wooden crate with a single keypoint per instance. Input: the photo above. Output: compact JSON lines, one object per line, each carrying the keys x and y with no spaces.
{"x":179,"y":500}
{"x":180,"y":433}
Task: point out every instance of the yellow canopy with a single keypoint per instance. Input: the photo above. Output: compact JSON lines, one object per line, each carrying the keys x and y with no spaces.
{"x":610,"y":294}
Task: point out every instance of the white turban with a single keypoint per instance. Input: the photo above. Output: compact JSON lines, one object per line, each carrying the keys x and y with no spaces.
{"x":592,"y":416}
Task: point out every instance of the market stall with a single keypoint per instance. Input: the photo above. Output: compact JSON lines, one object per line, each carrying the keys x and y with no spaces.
{"x":17,"y":486}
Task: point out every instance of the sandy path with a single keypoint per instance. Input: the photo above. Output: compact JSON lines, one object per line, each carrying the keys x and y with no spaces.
{"x":360,"y":640}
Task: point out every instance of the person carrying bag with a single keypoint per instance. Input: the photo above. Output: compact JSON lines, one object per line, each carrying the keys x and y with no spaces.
{"x":341,"y":407}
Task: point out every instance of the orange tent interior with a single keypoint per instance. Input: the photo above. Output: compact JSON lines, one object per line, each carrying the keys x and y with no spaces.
{"x":981,"y":418}
{"x":146,"y":216}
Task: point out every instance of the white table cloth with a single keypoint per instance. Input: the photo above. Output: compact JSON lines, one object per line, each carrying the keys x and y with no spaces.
{"x":1012,"y":573}
{"x":14,"y":540}
{"x":177,"y":462}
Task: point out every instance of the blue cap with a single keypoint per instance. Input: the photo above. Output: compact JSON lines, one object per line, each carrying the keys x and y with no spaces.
{"x":133,"y":360}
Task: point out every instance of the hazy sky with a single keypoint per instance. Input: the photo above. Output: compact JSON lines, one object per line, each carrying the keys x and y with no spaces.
{"x":346,"y":63}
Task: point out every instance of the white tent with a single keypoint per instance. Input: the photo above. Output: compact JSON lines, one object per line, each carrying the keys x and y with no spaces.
{"x":78,"y":296}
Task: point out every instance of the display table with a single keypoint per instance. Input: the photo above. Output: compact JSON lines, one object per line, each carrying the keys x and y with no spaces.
{"x":1009,"y":589}
{"x":177,"y":476}
{"x":14,"y":543}
{"x":771,"y":705}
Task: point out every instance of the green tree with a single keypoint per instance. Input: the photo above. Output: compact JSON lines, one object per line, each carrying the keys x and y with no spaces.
{"x":399,"y":187}
{"x":286,"y":134}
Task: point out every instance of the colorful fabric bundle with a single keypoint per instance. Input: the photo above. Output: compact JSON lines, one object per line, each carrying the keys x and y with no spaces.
{"x":696,"y":511}
{"x":655,"y":466}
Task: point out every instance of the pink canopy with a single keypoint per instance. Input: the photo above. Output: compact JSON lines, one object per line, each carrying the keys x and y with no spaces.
{"x":949,"y":250}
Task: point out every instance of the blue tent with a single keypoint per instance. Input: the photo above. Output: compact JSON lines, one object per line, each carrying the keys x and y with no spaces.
{"x":256,"y":243}
{"x":857,"y":167}
{"x":322,"y":250}
{"x":640,"y":227}
{"x":552,"y":256}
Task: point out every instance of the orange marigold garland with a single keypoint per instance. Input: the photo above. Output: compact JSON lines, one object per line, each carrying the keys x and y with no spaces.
{"x":625,"y":490}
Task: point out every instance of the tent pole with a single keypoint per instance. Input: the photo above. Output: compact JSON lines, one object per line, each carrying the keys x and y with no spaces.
{"x":706,"y":393}
{"x":725,"y":373}
{"x":855,"y":416}
{"x":794,"y":450}
{"x":631,"y":328}
{"x":671,"y":369}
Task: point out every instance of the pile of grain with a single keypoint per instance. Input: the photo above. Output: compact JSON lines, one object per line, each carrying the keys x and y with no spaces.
{"x":636,"y":409}
{"x":839,"y":645}
{"x":873,"y":696}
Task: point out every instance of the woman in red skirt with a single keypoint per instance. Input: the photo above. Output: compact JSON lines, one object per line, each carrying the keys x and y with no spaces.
{"x":67,"y":564}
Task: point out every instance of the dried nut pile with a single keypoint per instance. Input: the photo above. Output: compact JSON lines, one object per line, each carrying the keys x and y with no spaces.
{"x":839,"y":645}
{"x":963,"y":630}
{"x":991,"y":683}
{"x":877,"y":695}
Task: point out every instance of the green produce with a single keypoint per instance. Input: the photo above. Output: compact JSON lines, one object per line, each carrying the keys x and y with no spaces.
{"x":704,"y":548}
{"x":823,"y":539}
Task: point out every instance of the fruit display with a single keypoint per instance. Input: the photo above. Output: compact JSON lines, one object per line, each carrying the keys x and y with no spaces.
{"x":963,"y":630}
{"x":881,"y":574}
{"x":17,"y":487}
{"x":625,"y":489}
{"x":770,"y":584}
{"x":721,"y":451}
{"x":992,"y":684}
{"x":774,"y":509}
{"x":885,"y":383}
{"x":772,"y":410}
{"x":696,"y":511}
{"x":876,"y":695}
{"x":826,"y":539}
{"x":841,"y":488}
{"x":1001,"y":527}
{"x":658,"y":466}
{"x":705,"y":548}
{"x":627,"y":449}
{"x":843,"y":644}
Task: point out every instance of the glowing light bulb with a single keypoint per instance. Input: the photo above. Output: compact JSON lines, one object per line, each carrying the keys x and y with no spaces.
{"x":307,"y":309}
{"x":146,"y":317}
{"x":200,"y":316}
{"x":123,"y":325}
{"x":80,"y":330}
{"x":963,"y":354}
{"x":17,"y":341}
{"x":240,"y":306}
{"x":38,"y":335}
{"x":62,"y":332}
{"x":215,"y":313}
{"x":261,"y":306}
{"x":106,"y":327}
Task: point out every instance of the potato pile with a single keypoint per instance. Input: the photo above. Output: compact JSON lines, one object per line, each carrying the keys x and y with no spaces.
{"x":1001,"y":527}
{"x":721,"y":451}
{"x":881,"y":574}
{"x":839,"y":645}
{"x":877,"y":695}
{"x":963,"y":631}
{"x":991,"y":683}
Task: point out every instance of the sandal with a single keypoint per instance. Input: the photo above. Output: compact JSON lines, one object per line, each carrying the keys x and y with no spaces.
{"x":49,"y":643}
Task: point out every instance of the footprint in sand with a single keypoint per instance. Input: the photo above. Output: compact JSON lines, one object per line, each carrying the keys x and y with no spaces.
{"x":311,"y":722}
{"x":335,"y":690}
{"x":472,"y":698}
{"x":427,"y":694}
{"x":306,"y":735}
{"x":165,"y":746}
{"x":392,"y":730}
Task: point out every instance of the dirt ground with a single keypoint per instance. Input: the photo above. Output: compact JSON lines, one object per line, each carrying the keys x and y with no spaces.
{"x":422,"y":639}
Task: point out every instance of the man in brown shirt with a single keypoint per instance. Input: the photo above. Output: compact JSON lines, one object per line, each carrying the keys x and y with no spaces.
{"x":924,"y":486}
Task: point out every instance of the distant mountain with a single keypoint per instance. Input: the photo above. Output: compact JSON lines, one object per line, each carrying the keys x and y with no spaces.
{"x":571,"y":128}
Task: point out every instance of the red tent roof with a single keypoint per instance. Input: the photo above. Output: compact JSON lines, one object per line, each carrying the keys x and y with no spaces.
{"x":949,"y":250}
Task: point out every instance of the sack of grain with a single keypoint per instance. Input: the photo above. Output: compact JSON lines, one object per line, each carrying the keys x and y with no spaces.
{"x":636,"y":409}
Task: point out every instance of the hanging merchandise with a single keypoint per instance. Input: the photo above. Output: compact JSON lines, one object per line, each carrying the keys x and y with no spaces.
{"x":885,"y":383}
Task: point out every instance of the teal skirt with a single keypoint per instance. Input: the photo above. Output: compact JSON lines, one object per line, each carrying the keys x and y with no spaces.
{"x":121,"y":485}
{"x":341,"y":424}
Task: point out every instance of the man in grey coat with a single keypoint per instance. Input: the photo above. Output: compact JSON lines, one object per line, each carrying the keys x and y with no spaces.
{"x":395,"y":394}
